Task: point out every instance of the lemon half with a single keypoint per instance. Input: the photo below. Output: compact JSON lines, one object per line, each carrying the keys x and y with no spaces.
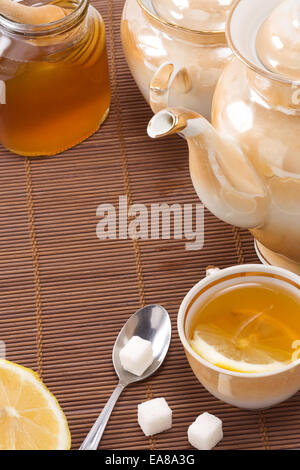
{"x":30,"y":416}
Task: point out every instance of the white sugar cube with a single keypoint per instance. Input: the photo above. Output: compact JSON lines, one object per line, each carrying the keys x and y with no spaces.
{"x":137,"y":355}
{"x":154,"y":416}
{"x":205,"y":432}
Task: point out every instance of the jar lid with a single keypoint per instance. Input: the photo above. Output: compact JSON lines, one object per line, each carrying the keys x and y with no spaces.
{"x":197,"y":15}
{"x":278,"y":40}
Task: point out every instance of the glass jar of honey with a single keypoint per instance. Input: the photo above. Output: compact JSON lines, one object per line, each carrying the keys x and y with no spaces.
{"x":54,"y":80}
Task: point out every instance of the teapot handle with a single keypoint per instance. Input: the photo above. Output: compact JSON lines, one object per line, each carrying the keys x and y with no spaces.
{"x":162,"y":82}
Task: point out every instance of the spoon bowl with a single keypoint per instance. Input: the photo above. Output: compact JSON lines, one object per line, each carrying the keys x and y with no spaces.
{"x":151,"y":323}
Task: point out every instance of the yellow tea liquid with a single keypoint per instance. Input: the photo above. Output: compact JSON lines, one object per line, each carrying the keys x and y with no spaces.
{"x":251,"y":327}
{"x":52,"y":102}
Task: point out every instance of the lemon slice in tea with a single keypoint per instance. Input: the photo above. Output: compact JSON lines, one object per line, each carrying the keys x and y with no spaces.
{"x":30,"y":416}
{"x":225,"y":354}
{"x":259,"y":338}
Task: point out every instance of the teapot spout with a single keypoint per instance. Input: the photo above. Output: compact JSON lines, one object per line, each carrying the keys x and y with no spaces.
{"x":170,"y":121}
{"x":224,"y":178}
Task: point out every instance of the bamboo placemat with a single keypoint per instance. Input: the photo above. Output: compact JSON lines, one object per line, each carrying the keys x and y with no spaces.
{"x":65,"y":294}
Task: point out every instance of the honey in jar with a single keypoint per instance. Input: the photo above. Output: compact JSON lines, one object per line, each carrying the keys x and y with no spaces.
{"x":54,"y":81}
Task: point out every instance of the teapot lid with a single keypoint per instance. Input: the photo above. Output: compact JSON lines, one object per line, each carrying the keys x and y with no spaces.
{"x":196,"y":15}
{"x":278,"y":40}
{"x":266,"y":35}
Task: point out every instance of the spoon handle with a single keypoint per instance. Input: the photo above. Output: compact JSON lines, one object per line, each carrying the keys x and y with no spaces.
{"x":93,"y":438}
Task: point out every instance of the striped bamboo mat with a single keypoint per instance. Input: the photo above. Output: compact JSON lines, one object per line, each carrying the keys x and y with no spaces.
{"x":65,"y":294}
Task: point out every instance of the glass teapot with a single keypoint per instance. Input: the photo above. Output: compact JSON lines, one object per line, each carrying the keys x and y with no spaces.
{"x":176,"y":50}
{"x":245,"y":167}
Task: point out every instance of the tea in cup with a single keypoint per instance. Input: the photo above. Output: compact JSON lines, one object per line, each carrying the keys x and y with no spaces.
{"x":240,"y":328}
